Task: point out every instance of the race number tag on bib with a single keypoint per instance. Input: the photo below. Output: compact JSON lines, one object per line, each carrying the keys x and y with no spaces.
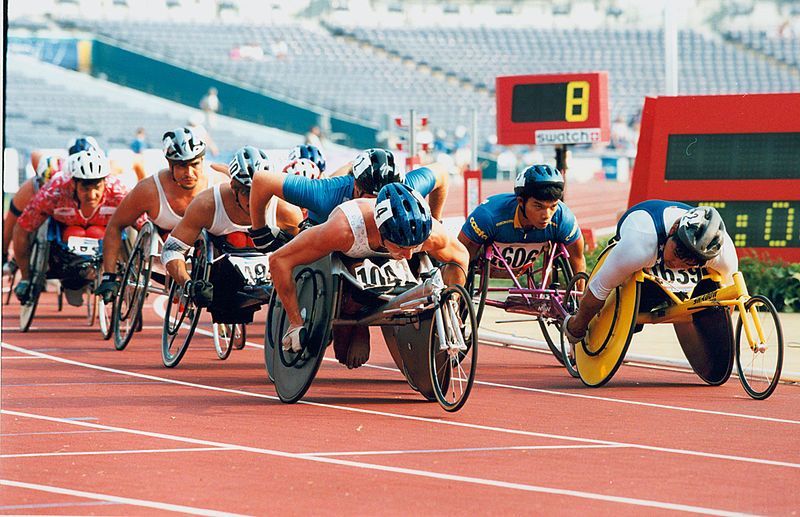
{"x":390,"y":274}
{"x":518,"y":255}
{"x":677,"y":280}
{"x":83,"y":245}
{"x":255,"y":269}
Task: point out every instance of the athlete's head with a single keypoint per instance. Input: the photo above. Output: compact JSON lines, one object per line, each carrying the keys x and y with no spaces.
{"x":245,"y":164}
{"x":539,"y":188}
{"x":86,"y":143}
{"x":308,"y":152}
{"x":184,"y":152}
{"x":695,"y":238}
{"x":89,"y":170}
{"x":373,"y":169}
{"x":403,"y":219}
{"x":48,"y":167}
{"x":303,"y":167}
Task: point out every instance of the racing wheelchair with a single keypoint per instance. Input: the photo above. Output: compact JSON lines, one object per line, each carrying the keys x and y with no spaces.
{"x":241,"y":281}
{"x":76,"y":263}
{"x":539,"y":277}
{"x":700,"y":310}
{"x":430,"y":329}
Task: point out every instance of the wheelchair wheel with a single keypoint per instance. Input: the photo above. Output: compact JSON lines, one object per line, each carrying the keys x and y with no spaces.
{"x":760,"y":368}
{"x":478,"y":286}
{"x":182,"y":314}
{"x":105,"y":312}
{"x":571,"y":303}
{"x":10,"y":277}
{"x":133,"y":290}
{"x":91,"y":307}
{"x":551,"y":328}
{"x":239,"y":336}
{"x":453,"y":349}
{"x":40,"y":251}
{"x":272,"y":333}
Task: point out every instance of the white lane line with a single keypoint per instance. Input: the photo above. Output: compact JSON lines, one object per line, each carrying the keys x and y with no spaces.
{"x":104,"y":453}
{"x":400,"y":470}
{"x":462,"y":449}
{"x":426,"y":420}
{"x":116,"y":499}
{"x":52,"y":505}
{"x":15,"y":357}
{"x":52,"y":432}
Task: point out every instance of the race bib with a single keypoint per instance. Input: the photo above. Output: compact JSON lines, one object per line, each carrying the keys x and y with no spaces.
{"x":83,"y":245}
{"x":518,"y":255}
{"x":390,"y":274}
{"x":254,"y":269}
{"x":677,"y":280}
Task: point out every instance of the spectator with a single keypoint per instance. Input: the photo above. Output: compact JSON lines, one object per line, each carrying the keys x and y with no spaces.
{"x":139,"y":143}
{"x":210,"y":105}
{"x":316,"y":138}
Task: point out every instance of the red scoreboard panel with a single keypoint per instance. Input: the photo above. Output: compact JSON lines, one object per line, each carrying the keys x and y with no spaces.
{"x":552,"y":109}
{"x":738,"y":153}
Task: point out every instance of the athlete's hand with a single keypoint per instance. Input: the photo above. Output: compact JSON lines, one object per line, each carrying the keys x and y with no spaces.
{"x":573,"y":334}
{"x":293,"y":339}
{"x":23,"y":291}
{"x":200,"y":291}
{"x":269,"y":239}
{"x":108,"y":288}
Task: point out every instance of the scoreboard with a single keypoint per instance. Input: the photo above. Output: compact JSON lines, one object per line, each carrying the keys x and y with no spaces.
{"x":738,"y":153}
{"x":552,"y":109}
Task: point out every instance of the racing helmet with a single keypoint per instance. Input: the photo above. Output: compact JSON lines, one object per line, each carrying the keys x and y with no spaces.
{"x":536,"y":176}
{"x":87,"y":143}
{"x":309,"y":152}
{"x":402,"y":215}
{"x":182,"y":145}
{"x":303,"y":167}
{"x":89,"y":165}
{"x":373,"y":169}
{"x":246,"y":162}
{"x":48,"y":167}
{"x":701,"y":230}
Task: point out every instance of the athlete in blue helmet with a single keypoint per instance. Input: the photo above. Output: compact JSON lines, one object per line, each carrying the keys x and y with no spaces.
{"x":309,"y":152}
{"x":523,"y":223}
{"x":370,"y":171}
{"x":398,"y":222}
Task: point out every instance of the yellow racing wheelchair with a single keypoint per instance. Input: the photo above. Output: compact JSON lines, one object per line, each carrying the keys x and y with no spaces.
{"x":703,"y":323}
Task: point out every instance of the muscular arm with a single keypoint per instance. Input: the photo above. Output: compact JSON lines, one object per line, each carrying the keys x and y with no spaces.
{"x":139,"y":201}
{"x":473,"y":248}
{"x":438,"y":195}
{"x":341,"y":171}
{"x":265,"y":185}
{"x":20,"y":201}
{"x":199,"y":214}
{"x":22,"y":250}
{"x":289,"y":216}
{"x":576,"y":257}
{"x":308,"y":246}
{"x":445,"y":248}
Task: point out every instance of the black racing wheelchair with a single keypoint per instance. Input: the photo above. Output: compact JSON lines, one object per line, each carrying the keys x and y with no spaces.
{"x":242,"y":284}
{"x":430,"y":329}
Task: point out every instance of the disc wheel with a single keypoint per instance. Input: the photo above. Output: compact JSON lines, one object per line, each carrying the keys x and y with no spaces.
{"x":571,"y":303}
{"x":133,"y":290}
{"x":453,"y":357}
{"x":760,"y":366}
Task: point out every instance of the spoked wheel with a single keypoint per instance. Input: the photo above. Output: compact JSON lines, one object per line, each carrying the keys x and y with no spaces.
{"x":128,"y":305}
{"x":478,"y":285}
{"x":38,"y":275}
{"x":239,"y":336}
{"x":760,"y":365}
{"x":10,"y":275}
{"x":571,"y":303}
{"x":551,"y":328}
{"x":105,"y":315}
{"x":453,"y":356}
{"x":91,"y":307}
{"x":227,"y":337}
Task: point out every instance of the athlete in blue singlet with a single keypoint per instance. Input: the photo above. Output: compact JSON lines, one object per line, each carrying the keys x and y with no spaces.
{"x":525,"y":222}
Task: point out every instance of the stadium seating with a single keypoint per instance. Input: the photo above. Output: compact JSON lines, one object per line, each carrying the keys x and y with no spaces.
{"x":784,"y":49}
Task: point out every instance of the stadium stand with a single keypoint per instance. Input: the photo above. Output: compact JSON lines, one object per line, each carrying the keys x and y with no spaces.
{"x":785,"y":49}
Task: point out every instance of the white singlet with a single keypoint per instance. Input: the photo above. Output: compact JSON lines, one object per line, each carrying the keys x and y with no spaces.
{"x":222,"y":224}
{"x":360,"y":247}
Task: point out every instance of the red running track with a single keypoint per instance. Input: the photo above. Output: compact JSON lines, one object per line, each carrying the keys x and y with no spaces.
{"x":92,"y":431}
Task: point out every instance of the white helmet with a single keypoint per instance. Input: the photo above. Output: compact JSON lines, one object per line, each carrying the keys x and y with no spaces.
{"x":182,"y":145}
{"x":303,"y":167}
{"x":89,"y":165}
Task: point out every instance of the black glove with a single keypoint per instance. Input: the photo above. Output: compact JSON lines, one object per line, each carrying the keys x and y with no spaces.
{"x":108,"y":288}
{"x":200,"y":291}
{"x":269,"y":239}
{"x":23,"y":291}
{"x":305,"y":224}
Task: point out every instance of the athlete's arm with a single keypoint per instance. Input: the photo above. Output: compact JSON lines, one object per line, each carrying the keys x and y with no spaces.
{"x":199,"y":214}
{"x":432,"y":181}
{"x":308,"y":246}
{"x":473,"y":248}
{"x":445,"y":248}
{"x":727,"y":262}
{"x":33,"y":216}
{"x":18,"y":204}
{"x":288,"y":217}
{"x":137,"y":203}
{"x":265,"y":185}
{"x":576,"y":257}
{"x":341,"y":171}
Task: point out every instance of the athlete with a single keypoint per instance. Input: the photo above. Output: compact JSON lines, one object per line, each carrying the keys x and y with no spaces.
{"x":658,"y":234}
{"x":82,"y":202}
{"x":223,"y":210}
{"x":308,"y":152}
{"x":397,"y":223}
{"x":371,"y":170}
{"x":163,"y":198}
{"x":524,"y":222}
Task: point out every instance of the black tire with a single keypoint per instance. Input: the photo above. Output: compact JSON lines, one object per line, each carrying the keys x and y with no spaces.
{"x":571,"y":305}
{"x":272,"y":333}
{"x":226,"y":336}
{"x":11,"y":277}
{"x":480,"y":273}
{"x":760,"y":371}
{"x":551,"y":328}
{"x":453,"y":370}
{"x":132,"y":293}
{"x":239,"y":336}
{"x":40,"y":251}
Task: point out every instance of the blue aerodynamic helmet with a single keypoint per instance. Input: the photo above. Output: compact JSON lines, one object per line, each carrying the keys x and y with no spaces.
{"x":246,"y":162}
{"x":84,"y":144}
{"x":309,"y":152}
{"x":402,"y":215}
{"x":535,"y":177}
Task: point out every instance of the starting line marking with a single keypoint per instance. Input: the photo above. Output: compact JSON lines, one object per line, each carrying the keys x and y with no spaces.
{"x":340,"y":462}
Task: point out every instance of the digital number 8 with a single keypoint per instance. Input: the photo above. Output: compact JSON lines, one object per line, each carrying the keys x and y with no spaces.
{"x":582,"y":88}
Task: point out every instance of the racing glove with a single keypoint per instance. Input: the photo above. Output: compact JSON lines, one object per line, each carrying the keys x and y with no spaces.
{"x":572,"y":338}
{"x":200,"y":291}
{"x":294,"y":338}
{"x":269,"y":239}
{"x":108,"y":288}
{"x":23,"y":291}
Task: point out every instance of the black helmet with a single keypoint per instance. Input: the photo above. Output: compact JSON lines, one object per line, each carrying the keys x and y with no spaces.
{"x":373,"y":169}
{"x":536,"y":176}
{"x":701,"y":230}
